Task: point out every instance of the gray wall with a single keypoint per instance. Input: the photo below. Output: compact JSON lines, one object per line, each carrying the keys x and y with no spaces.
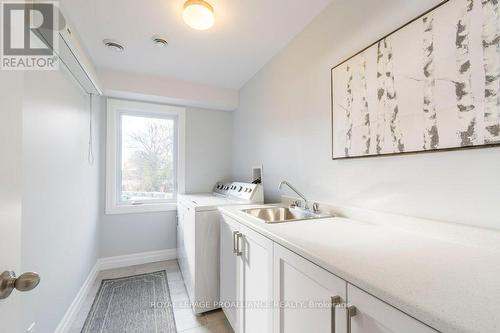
{"x":208,"y":159}
{"x":208,"y":148}
{"x":60,"y":195}
{"x":284,"y":123}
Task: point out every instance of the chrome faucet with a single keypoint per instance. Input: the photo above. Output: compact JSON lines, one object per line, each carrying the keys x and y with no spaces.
{"x":284,"y":182}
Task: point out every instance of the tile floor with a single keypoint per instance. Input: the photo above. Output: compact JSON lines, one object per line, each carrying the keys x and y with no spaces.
{"x":185,"y":320}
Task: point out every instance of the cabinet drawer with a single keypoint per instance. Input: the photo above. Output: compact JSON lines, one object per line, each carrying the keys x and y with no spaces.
{"x":376,"y":316}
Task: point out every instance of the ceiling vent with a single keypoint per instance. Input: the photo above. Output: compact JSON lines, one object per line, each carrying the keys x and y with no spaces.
{"x":113,"y":45}
{"x":159,"y":41}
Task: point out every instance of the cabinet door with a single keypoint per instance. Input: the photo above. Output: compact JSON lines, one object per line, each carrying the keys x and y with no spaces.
{"x":229,"y":273}
{"x":304,"y":292}
{"x":375,"y":316}
{"x":256,"y":281}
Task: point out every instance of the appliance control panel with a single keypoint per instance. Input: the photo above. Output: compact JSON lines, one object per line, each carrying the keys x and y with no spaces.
{"x":242,"y":191}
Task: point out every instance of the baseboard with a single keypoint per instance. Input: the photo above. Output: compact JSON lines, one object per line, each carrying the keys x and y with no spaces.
{"x":136,"y":259}
{"x":109,"y":263}
{"x":74,"y":308}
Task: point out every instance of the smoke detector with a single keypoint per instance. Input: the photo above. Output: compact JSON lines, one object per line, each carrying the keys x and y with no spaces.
{"x":159,"y":41}
{"x":113,"y":45}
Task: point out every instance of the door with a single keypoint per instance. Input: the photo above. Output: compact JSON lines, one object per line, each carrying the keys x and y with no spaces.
{"x":256,"y":281}
{"x":307,"y":294}
{"x":11,"y":88}
{"x":375,"y":316}
{"x":229,"y":273}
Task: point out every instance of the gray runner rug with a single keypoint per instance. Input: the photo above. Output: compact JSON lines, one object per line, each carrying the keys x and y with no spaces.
{"x":133,"y":304}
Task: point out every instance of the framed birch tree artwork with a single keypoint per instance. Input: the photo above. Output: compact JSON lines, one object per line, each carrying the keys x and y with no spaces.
{"x":433,"y":84}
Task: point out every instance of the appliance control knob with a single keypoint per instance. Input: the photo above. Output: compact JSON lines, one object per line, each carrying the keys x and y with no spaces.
{"x":241,"y":188}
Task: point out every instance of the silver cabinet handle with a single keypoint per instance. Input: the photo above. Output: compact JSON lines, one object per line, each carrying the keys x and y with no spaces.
{"x":351,"y":311}
{"x":235,"y":233}
{"x":238,"y":249}
{"x":336,"y":300}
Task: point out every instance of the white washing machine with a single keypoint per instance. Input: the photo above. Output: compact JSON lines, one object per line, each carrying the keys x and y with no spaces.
{"x":198,"y":223}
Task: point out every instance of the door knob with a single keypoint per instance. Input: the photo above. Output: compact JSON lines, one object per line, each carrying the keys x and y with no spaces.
{"x":26,"y":282}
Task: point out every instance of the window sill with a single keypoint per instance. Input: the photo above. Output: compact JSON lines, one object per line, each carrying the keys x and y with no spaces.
{"x":145,"y":208}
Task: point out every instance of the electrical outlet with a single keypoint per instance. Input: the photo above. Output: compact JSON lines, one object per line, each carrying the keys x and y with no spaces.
{"x":31,"y":329}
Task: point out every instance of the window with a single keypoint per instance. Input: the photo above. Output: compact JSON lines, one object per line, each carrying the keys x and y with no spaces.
{"x":148,"y":159}
{"x":144,"y":156}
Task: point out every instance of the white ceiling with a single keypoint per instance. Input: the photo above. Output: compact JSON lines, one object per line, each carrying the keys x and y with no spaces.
{"x":246,"y":35}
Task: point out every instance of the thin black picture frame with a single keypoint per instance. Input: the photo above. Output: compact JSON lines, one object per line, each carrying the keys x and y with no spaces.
{"x":489,"y":145}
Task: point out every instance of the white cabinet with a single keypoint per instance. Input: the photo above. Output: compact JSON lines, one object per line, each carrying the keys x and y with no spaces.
{"x":256,"y":289}
{"x":256,"y":272}
{"x":246,"y":278}
{"x":306,"y":293}
{"x":306,"y":290}
{"x":375,"y":316}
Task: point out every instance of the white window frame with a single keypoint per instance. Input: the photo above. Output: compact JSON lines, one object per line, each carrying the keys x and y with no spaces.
{"x":116,"y":108}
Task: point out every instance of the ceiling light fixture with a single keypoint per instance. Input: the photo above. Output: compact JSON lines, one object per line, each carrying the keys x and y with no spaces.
{"x":113,"y":45}
{"x":198,"y":14}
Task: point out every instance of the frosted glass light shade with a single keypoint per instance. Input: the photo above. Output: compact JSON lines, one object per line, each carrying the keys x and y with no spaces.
{"x":198,"y":14}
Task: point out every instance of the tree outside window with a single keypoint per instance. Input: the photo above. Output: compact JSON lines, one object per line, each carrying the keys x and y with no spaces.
{"x":147,"y":159}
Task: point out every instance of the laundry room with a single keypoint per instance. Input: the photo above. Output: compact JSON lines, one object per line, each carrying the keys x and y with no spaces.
{"x":217,"y":166}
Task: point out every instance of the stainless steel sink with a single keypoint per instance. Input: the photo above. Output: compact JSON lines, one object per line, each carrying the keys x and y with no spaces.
{"x":283,"y":214}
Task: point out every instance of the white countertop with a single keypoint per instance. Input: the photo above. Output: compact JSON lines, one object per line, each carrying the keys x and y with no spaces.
{"x":448,"y":284}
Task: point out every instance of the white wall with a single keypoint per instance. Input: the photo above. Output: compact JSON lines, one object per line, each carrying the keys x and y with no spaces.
{"x":60,"y":195}
{"x":167,"y":90}
{"x":284,"y":123}
{"x":208,"y":159}
{"x":208,"y":148}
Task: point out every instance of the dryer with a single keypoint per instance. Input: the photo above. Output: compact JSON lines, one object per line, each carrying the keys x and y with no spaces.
{"x":198,"y":223}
